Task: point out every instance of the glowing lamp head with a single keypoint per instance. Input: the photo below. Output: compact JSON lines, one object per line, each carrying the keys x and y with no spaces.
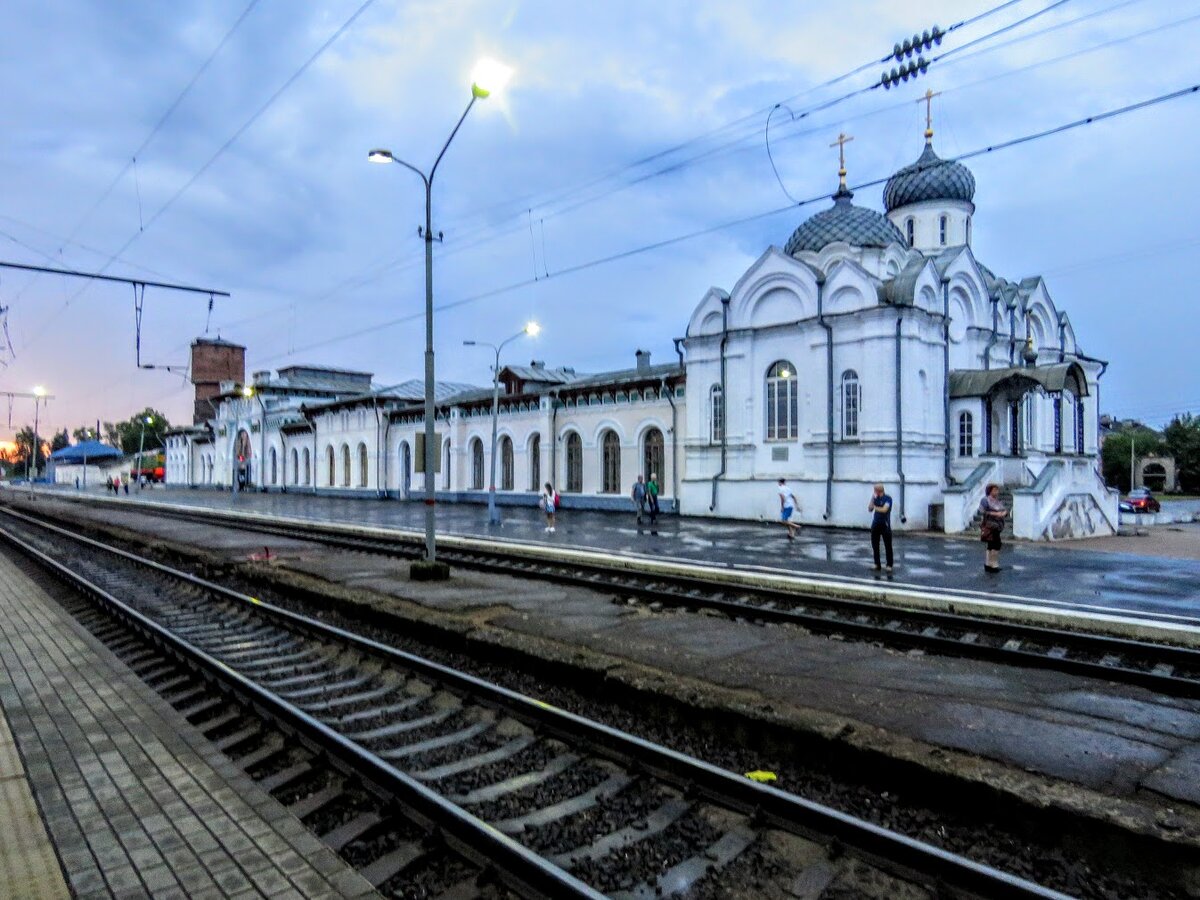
{"x":533,"y":329}
{"x":39,"y":391}
{"x":489,"y":77}
{"x":380,"y":156}
{"x":247,"y":391}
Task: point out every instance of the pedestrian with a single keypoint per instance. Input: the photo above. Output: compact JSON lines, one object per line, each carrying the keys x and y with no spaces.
{"x":125,"y":484}
{"x":108,"y":484}
{"x":652,"y":498}
{"x":788,"y":504}
{"x":994,"y":513}
{"x":549,"y":504}
{"x":881,"y":525}
{"x":76,"y":482}
{"x":638,"y":495}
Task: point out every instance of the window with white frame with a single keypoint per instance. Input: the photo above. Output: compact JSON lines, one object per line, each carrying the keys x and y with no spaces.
{"x":476,"y":465}
{"x":535,"y":462}
{"x":610,"y":445}
{"x":966,"y":434}
{"x":332,"y":470}
{"x":910,"y":227}
{"x":362,"y":465}
{"x":574,"y":463}
{"x":345,"y":465}
{"x":654,"y":457}
{"x":506,"y":463}
{"x":716,"y":406}
{"x":851,"y":403}
{"x":783,"y":402}
{"x":943,"y":229}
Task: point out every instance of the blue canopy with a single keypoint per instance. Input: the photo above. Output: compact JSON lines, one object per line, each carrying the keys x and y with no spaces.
{"x":90,"y":450}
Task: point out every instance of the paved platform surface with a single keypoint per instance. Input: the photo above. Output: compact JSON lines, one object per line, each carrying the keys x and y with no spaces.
{"x":134,"y":798}
{"x":1119,"y":751}
{"x":1079,"y":579}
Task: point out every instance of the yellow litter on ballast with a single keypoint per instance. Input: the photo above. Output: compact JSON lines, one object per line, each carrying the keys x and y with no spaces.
{"x":761,"y":777}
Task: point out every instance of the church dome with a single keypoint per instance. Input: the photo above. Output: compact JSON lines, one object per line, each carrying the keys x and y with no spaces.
{"x":844,"y":221}
{"x":929,"y":178}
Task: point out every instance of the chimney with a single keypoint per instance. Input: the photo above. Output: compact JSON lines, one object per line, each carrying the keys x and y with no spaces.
{"x":537,"y":364}
{"x":643,"y":360}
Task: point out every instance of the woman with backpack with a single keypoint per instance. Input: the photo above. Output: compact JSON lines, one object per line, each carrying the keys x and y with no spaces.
{"x":994,"y":513}
{"x":549,"y":504}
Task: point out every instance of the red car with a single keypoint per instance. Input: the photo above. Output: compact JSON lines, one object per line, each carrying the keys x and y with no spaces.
{"x":1140,"y":500}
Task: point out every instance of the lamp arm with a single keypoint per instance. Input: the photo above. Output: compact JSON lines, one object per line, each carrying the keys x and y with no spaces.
{"x":446,"y":146}
{"x":411,"y":168}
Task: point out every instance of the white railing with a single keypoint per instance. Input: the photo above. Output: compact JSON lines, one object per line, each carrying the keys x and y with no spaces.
{"x":960,"y":501}
{"x":1066,"y":500}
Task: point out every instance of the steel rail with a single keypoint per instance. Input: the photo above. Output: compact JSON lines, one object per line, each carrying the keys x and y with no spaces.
{"x":908,"y":857}
{"x":1102,"y":654}
{"x":518,"y":867}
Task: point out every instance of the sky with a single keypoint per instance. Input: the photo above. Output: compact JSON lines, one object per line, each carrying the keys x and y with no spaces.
{"x":222,"y":144}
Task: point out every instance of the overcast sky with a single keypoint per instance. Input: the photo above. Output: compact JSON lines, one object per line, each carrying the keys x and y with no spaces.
{"x":279,"y":207}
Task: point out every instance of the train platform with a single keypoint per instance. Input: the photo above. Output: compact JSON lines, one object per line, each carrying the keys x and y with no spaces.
{"x":1114,"y":751}
{"x":1086,"y":582}
{"x":107,"y":791}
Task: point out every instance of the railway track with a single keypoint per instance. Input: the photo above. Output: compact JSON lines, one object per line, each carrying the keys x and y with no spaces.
{"x":1167,"y":669}
{"x":512,"y":795}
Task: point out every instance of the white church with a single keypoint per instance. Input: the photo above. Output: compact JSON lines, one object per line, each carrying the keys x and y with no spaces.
{"x":873,"y":347}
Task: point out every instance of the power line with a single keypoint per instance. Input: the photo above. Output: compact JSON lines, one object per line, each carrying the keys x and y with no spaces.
{"x":215,"y":156}
{"x":666,"y":242}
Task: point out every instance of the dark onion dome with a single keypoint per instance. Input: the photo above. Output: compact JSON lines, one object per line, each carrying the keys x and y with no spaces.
{"x":844,"y":221}
{"x":929,"y":178}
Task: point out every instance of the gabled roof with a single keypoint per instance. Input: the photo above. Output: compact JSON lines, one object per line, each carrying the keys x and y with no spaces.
{"x":90,"y":450}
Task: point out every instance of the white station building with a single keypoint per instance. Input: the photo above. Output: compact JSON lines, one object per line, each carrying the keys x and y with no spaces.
{"x":872,"y":348}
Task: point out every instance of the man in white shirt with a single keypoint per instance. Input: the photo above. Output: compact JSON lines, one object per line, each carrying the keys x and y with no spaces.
{"x":787,"y":506}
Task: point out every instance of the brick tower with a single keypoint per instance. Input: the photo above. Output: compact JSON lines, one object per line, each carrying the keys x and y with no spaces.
{"x":214,"y":361}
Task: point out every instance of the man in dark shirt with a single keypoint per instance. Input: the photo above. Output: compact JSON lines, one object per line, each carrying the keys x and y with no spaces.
{"x":881,"y":525}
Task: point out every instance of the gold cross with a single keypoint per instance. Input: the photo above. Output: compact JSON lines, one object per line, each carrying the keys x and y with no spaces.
{"x":928,"y":99}
{"x":842,"y":140}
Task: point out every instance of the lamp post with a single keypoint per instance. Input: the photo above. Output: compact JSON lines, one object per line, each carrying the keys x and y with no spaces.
{"x":38,"y":393}
{"x":488,"y":77}
{"x":248,"y":392}
{"x":147,"y":420}
{"x":532,"y":329}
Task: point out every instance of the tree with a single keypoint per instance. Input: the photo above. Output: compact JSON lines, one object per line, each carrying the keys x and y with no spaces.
{"x":85,"y":433}
{"x":127,"y":436}
{"x":24,"y":442}
{"x":1182,"y":438}
{"x":60,"y":440}
{"x":1115,"y":457}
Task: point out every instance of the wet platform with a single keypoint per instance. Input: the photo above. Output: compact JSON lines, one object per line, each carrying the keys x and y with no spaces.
{"x":1090,"y":582}
{"x":131,"y":800}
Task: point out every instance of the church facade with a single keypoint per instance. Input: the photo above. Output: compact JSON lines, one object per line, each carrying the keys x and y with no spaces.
{"x":873,"y":347}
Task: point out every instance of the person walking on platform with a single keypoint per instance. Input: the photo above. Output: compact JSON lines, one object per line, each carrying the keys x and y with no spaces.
{"x":638,"y":495}
{"x":880,"y":508}
{"x":994,"y":513}
{"x":549,"y":504}
{"x":652,"y":498}
{"x":788,"y":505}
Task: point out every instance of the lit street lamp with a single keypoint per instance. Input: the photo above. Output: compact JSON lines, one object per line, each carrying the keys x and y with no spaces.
{"x":532,"y":329}
{"x":488,"y":77}
{"x":146,"y":420}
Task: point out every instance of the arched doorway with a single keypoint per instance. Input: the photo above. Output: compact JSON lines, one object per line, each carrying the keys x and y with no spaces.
{"x":242,"y":458}
{"x":654,"y":460}
{"x":405,"y":469}
{"x":1154,"y":476}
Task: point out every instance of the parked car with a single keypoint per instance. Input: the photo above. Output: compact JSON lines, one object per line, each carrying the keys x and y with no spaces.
{"x":1140,"y":500}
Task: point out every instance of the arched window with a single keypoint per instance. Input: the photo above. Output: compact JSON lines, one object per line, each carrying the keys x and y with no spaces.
{"x":851,"y":403}
{"x":1079,"y":425}
{"x":345,"y":465}
{"x":783,"y":409}
{"x":446,"y":466}
{"x":716,"y":404}
{"x":653,"y":458}
{"x":307,"y":470}
{"x":477,"y":465}
{"x":362,"y":465}
{"x":966,"y":434}
{"x":943,"y":228}
{"x":968,"y":230}
{"x":535,"y":463}
{"x":574,"y":463}
{"x":295,"y":466}
{"x":610,"y":481}
{"x":332,"y":466}
{"x":274,"y":467}
{"x":909,"y":229}
{"x":506,"y":463}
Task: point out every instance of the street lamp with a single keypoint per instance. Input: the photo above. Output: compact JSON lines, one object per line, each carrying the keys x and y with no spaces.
{"x":38,"y":393}
{"x":532,"y":329}
{"x":489,"y":76}
{"x":248,"y":392}
{"x":147,"y":420}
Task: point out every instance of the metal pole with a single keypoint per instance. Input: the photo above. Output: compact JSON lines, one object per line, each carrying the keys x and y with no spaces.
{"x":1132,"y":445}
{"x":33,"y":455}
{"x":430,"y":495}
{"x":493,"y":515}
{"x":141,"y":446}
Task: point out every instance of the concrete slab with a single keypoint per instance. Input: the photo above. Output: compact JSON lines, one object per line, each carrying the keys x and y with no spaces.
{"x":134,"y":798}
